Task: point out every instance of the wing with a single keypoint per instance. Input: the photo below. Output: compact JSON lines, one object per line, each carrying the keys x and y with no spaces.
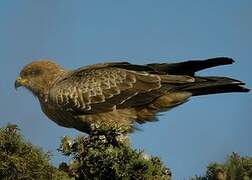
{"x":104,"y":88}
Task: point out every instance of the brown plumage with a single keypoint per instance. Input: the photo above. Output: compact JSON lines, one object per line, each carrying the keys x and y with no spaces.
{"x":117,"y":94}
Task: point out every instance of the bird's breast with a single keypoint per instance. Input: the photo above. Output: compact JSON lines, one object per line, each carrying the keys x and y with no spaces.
{"x":65,"y":118}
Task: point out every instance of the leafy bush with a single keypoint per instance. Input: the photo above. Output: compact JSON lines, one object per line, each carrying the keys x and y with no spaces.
{"x":106,"y":154}
{"x":22,"y":160}
{"x":234,"y":168}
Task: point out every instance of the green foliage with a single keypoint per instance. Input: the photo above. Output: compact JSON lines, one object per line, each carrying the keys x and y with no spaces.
{"x":106,"y":154}
{"x":21,"y":160}
{"x":234,"y":168}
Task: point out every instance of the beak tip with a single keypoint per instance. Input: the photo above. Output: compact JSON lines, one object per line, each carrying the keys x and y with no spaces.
{"x":20,"y":82}
{"x":17,"y":83}
{"x":16,"y":86}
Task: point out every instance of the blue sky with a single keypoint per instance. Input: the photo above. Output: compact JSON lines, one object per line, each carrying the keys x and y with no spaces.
{"x":80,"y":32}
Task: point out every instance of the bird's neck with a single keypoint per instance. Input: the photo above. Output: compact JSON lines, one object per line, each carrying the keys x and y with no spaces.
{"x":43,"y":92}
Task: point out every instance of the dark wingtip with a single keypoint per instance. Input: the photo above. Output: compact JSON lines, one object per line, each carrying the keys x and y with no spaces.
{"x":244,"y":89}
{"x":230,"y":60}
{"x":241,"y":86}
{"x":225,"y":60}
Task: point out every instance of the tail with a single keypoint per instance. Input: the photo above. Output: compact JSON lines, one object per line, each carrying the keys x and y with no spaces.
{"x":190,"y":67}
{"x":202,"y":85}
{"x":214,"y":85}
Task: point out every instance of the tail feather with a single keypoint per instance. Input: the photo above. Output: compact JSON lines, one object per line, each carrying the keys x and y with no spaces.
{"x":202,"y":85}
{"x":190,"y":67}
{"x":214,"y":85}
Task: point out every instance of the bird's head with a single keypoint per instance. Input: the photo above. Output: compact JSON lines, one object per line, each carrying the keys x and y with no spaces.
{"x":38,"y":75}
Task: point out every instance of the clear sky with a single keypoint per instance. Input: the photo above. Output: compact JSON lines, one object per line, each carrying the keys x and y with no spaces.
{"x":80,"y":32}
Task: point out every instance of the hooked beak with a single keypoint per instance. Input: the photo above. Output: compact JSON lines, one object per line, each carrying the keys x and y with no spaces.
{"x":20,"y":82}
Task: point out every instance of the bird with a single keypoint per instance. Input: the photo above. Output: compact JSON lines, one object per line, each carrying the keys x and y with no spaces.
{"x":119,"y":94}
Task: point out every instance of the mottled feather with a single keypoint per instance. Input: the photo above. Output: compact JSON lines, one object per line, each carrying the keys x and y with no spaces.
{"x":102,"y":89}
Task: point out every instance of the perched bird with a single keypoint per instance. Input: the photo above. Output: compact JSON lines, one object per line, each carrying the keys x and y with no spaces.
{"x":119,"y":93}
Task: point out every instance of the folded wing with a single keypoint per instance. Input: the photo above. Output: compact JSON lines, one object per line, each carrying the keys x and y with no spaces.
{"x":102,"y":89}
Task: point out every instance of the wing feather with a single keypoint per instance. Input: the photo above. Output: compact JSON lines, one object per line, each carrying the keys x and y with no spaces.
{"x":101,"y":89}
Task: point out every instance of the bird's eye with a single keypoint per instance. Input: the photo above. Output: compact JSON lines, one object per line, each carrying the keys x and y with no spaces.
{"x":35,"y":72}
